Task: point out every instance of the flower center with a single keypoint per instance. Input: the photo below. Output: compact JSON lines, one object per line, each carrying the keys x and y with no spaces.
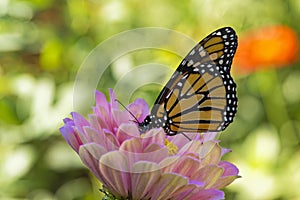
{"x":172,"y":148}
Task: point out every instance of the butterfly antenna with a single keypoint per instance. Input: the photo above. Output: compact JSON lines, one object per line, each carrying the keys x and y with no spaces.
{"x":136,"y":120}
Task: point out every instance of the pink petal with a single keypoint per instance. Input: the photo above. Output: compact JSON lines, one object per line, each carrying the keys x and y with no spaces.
{"x":144,"y":176}
{"x":103,"y":117}
{"x":101,"y":100}
{"x":209,"y":194}
{"x":199,"y":184}
{"x":154,"y":147}
{"x":192,"y":146}
{"x":80,"y":134}
{"x":113,"y":104}
{"x":79,"y":121}
{"x":127,"y":131}
{"x":209,"y":136}
{"x":94,"y":122}
{"x":115,"y":170}
{"x":90,"y":155}
{"x":168,"y":163}
{"x":134,"y":152}
{"x":185,"y":166}
{"x":120,"y":117}
{"x":185,"y":192}
{"x":225,"y":151}
{"x":132,"y":149}
{"x":155,"y":153}
{"x":208,"y":175}
{"x":69,"y":122}
{"x":132,"y":145}
{"x":229,"y":175}
{"x":139,"y":109}
{"x":210,"y":153}
{"x":179,"y":140}
{"x":229,"y":168}
{"x":94,"y":136}
{"x":156,"y":135}
{"x":167,"y":185}
{"x":111,"y":142}
{"x":71,"y":137}
{"x":224,"y":181}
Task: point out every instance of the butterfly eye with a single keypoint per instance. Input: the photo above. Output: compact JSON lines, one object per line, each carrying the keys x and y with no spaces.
{"x":201,"y":94}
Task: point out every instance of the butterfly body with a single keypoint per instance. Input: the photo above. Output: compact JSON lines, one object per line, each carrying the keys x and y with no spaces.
{"x":201,"y":94}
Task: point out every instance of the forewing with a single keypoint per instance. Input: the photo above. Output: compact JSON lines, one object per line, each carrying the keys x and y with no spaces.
{"x":201,"y":95}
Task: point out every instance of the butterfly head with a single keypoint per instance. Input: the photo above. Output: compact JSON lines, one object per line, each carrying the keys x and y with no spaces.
{"x":144,"y":126}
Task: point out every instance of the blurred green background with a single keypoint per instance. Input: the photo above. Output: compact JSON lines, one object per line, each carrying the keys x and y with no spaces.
{"x":44,"y":42}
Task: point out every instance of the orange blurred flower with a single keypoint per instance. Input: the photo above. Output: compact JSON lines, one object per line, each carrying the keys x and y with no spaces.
{"x":268,"y":47}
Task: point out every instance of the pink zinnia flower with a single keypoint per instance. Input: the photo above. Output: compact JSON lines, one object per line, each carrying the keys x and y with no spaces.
{"x":154,"y":166}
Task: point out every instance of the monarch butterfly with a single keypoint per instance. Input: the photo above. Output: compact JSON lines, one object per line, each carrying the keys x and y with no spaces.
{"x":201,"y":94}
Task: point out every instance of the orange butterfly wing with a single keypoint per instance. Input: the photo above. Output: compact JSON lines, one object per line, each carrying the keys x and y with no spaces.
{"x":201,"y":94}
